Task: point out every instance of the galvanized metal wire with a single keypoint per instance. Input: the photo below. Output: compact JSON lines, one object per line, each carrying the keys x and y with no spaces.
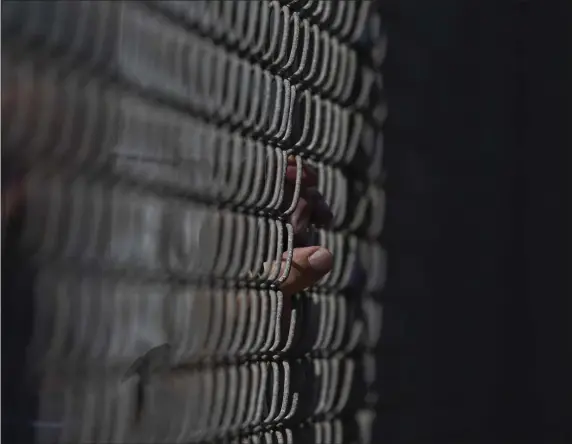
{"x":154,"y":138}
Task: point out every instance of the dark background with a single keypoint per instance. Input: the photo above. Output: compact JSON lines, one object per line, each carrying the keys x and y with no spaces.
{"x":478,"y":311}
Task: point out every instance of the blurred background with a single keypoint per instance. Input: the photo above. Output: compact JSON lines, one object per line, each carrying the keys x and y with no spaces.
{"x":145,"y":149}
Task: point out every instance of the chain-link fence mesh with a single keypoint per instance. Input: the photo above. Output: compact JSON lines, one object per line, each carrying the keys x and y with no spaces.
{"x":152,"y":140}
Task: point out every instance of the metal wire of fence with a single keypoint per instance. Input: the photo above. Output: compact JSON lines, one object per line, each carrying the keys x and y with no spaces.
{"x":154,"y":138}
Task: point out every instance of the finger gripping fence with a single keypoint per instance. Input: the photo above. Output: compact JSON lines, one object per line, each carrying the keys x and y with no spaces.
{"x":153,"y":140}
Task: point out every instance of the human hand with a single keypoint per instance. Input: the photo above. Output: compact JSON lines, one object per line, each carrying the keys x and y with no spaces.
{"x":309,"y":263}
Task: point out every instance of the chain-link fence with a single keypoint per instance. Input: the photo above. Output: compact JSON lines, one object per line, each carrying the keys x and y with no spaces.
{"x":151,"y":141}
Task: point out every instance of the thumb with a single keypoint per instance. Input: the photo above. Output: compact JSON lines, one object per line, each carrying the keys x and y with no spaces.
{"x":309,"y":265}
